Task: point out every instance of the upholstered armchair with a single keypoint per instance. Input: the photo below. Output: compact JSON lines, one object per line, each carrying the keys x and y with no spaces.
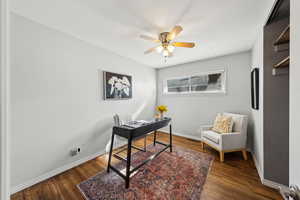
{"x":227,"y":142}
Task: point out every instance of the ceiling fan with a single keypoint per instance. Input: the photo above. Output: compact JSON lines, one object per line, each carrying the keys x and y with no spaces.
{"x":167,"y":43}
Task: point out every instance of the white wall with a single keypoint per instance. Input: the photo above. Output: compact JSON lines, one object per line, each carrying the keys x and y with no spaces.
{"x":189,"y":112}
{"x":56,"y":96}
{"x":257,"y":115}
{"x":4,"y":100}
{"x":295,"y":94}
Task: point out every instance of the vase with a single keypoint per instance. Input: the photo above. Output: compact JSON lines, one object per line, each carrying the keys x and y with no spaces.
{"x":161,"y":115}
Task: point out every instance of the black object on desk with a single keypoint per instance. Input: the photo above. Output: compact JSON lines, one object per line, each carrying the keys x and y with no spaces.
{"x":132,"y":133}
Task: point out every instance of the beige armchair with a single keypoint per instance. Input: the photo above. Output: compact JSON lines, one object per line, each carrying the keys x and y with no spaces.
{"x":227,"y":142}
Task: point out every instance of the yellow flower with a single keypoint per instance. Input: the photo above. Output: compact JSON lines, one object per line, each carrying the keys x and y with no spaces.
{"x":162,"y":108}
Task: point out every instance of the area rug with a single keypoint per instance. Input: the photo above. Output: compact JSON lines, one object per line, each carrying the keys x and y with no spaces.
{"x":177,"y":175}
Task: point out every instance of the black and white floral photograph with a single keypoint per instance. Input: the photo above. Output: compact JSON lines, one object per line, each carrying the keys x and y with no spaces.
{"x":117,"y":86}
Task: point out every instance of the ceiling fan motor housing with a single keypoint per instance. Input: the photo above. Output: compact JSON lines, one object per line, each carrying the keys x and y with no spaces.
{"x":163,"y":37}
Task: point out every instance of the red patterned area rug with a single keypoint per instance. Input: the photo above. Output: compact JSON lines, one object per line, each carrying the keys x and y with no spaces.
{"x":177,"y":175}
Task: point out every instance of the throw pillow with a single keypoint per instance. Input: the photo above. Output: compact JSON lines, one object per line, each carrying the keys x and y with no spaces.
{"x":223,"y":124}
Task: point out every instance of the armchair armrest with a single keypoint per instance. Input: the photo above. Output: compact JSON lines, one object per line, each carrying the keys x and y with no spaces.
{"x":206,"y":127}
{"x":231,"y":141}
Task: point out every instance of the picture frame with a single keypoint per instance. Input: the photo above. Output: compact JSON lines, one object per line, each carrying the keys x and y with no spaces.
{"x":116,"y":86}
{"x":255,"y":88}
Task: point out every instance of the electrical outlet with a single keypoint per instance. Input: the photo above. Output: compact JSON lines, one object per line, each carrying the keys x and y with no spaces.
{"x":75,"y":151}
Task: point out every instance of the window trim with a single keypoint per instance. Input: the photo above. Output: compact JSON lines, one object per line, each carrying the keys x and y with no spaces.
{"x":222,"y":91}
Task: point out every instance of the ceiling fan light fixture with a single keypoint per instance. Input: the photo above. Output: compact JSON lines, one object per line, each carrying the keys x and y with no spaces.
{"x":159,"y":49}
{"x":170,"y":48}
{"x":165,"y":53}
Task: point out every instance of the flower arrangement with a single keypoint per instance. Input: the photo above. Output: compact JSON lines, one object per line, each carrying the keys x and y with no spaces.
{"x":161,"y":109}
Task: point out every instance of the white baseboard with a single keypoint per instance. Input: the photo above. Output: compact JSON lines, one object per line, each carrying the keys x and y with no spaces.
{"x":264,"y":181}
{"x":54,"y":172}
{"x":66,"y":167}
{"x":258,"y":168}
{"x":274,"y":185}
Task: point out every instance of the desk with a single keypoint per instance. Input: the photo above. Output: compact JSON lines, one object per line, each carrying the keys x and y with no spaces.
{"x":135,"y":133}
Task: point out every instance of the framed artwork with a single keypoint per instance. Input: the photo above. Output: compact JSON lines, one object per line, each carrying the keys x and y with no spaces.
{"x":117,"y":86}
{"x":205,"y":82}
{"x":255,"y":88}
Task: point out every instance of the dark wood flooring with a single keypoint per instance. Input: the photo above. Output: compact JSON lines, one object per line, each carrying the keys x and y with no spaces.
{"x":235,"y":179}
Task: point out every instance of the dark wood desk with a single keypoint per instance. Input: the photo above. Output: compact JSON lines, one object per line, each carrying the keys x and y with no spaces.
{"x":132,"y":134}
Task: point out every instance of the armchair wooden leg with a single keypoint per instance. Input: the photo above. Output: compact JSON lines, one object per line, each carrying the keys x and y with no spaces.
{"x":202,"y":145}
{"x":221,"y":156}
{"x":245,"y":154}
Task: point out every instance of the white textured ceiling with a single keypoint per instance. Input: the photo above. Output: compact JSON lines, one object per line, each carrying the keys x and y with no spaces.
{"x":218,"y":27}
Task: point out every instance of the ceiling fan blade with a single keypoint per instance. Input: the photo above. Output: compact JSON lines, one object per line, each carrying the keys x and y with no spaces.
{"x":150,"y":50}
{"x":146,"y":37}
{"x":183,"y":44}
{"x":175,"y":31}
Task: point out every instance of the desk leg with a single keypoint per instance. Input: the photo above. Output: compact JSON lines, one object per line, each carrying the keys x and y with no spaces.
{"x":170,"y":137}
{"x":110,"y":151}
{"x":128,"y":162}
{"x":154,"y":140}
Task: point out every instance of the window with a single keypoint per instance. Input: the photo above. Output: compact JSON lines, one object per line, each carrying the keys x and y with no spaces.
{"x":178,"y":85}
{"x":210,"y":82}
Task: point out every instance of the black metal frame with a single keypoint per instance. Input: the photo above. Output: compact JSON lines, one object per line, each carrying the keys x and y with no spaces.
{"x":131,"y":135}
{"x":132,"y":146}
